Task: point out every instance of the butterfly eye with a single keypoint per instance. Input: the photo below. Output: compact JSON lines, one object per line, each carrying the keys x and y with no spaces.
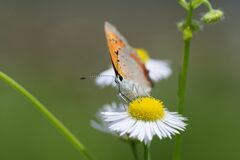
{"x":120,"y":78}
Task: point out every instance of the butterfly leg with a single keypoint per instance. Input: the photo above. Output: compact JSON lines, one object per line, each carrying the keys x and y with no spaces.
{"x":146,"y":93}
{"x":120,"y":94}
{"x":135,"y":90}
{"x":123,"y":97}
{"x":142,"y":90}
{"x":137,"y":94}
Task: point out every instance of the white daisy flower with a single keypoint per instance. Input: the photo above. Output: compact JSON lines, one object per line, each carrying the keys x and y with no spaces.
{"x":144,"y":118}
{"x":158,"y":70}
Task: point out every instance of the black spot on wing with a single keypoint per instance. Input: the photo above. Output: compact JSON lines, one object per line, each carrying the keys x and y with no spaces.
{"x":116,"y":52}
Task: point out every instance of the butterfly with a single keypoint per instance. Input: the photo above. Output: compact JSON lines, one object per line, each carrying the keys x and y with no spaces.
{"x":131,"y":75}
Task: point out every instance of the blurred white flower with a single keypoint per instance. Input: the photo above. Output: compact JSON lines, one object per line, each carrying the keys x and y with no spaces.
{"x":103,"y":126}
{"x":106,"y":78}
{"x":158,"y":69}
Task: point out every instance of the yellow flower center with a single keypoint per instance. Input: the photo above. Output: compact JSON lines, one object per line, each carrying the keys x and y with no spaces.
{"x":143,"y":54}
{"x":146,"y":109}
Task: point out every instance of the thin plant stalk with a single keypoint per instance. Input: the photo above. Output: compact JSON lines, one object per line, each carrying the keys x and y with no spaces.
{"x":183,"y":80}
{"x":47,"y":114}
{"x":134,"y":150}
{"x":147,"y":155}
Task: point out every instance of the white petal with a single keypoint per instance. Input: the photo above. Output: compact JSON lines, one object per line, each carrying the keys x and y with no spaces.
{"x":106,"y":78}
{"x":129,"y":126}
{"x":162,"y":129}
{"x":158,"y":69}
{"x":136,"y":129}
{"x":175,"y":126}
{"x":175,"y":121}
{"x":156,"y":130}
{"x":133,"y":128}
{"x":122,"y":125}
{"x":148,"y":131}
{"x":100,"y":127}
{"x":141,"y":131}
{"x":100,"y":124}
{"x":114,"y":116}
{"x":169,"y":129}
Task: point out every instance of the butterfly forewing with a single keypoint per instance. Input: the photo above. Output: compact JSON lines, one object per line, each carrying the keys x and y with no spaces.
{"x":125,"y":61}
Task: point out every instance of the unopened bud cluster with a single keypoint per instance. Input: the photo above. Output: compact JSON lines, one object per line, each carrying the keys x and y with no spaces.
{"x":188,"y":26}
{"x":212,"y":16}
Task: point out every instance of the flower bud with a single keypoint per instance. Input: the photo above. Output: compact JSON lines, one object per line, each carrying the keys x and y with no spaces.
{"x":212,"y":16}
{"x":187,"y":33}
{"x":195,"y":26}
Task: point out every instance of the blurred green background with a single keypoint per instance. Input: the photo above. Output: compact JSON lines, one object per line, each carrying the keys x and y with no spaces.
{"x":48,"y":45}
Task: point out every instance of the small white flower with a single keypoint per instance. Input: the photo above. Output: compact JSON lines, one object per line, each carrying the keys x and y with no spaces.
{"x":144,"y":118}
{"x":158,"y":70}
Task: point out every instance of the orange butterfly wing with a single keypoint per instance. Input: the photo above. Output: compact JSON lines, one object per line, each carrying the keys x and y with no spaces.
{"x":117,"y":45}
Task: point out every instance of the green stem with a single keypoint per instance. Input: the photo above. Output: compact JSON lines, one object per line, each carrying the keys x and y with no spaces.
{"x":183,"y":76}
{"x":40,"y":107}
{"x":147,"y":152}
{"x":183,"y":79}
{"x":208,"y":5}
{"x":134,"y":150}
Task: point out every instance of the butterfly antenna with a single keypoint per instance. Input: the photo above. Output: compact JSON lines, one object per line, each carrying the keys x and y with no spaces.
{"x":95,"y":76}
